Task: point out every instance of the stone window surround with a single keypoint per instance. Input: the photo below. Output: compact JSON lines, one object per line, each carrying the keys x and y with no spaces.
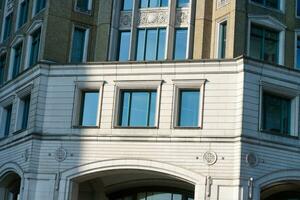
{"x":80,"y":87}
{"x":33,"y":14}
{"x":270,"y":22}
{"x":19,"y":39}
{"x":180,"y":84}
{"x":86,"y":41}
{"x":291,"y":93}
{"x":90,"y":6}
{"x":4,"y":103}
{"x":169,"y":17}
{"x":136,"y":85}
{"x":217,"y":37}
{"x":8,"y":9}
{"x":18,"y":15}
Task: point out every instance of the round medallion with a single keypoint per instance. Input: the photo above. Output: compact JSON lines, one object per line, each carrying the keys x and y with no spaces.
{"x":210,"y":157}
{"x":251,"y":159}
{"x":60,"y":154}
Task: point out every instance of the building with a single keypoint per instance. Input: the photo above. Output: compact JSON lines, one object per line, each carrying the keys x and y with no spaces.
{"x":149,"y":99}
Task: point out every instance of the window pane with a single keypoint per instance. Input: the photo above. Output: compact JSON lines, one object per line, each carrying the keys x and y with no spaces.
{"x":272,"y":3}
{"x":298,"y":7}
{"x":298,"y":52}
{"x":151,"y":44}
{"x":154,"y":3}
{"x":8,"y":111}
{"x":159,"y":196}
{"x":82,"y":5}
{"x":7,"y":27}
{"x":89,"y":108}
{"x":78,"y":45}
{"x":17,"y":60}
{"x":40,"y":4}
{"x":35,"y":44}
{"x":23,"y":13}
{"x":139,"y":109}
{"x":26,"y":102}
{"x":127,"y":5}
{"x":2,"y":68}
{"x":164,"y":3}
{"x":124,"y":46}
{"x":140,"y":45}
{"x":256,"y":47}
{"x":188,"y":108}
{"x":180,"y":44}
{"x":152,"y":109}
{"x":125,"y":108}
{"x":144,"y":3}
{"x":222,"y":39}
{"x":161,"y":44}
{"x":182,"y":3}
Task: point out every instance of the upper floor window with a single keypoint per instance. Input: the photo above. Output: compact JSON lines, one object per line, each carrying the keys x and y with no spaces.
{"x":153,"y":3}
{"x":124,"y":44}
{"x":137,"y":108}
{"x":298,"y":8}
{"x":17,"y":57}
{"x":180,"y":44}
{"x":151,"y":44}
{"x":6,"y":113}
{"x":84,"y":5}
{"x":127,"y":5}
{"x":269,"y":3}
{"x":183,"y":3}
{"x":79,"y":45}
{"x":2,"y":67}
{"x":39,"y":5}
{"x":34,"y":47}
{"x":298,"y":52}
{"x":222,"y":40}
{"x":7,"y":26}
{"x":23,"y":113}
{"x":89,"y":108}
{"x":264,"y":43}
{"x":23,"y":13}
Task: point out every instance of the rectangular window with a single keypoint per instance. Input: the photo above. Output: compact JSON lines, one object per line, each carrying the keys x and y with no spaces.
{"x":298,"y":53}
{"x":180,"y":44}
{"x":298,"y":8}
{"x":137,"y":108}
{"x":222,"y":40}
{"x":183,"y":3}
{"x":89,"y":108}
{"x":151,"y":44}
{"x":264,"y":44}
{"x":188,"y":108}
{"x":124,"y":43}
{"x":7,"y":26}
{"x":7,"y":112}
{"x":17,"y":60}
{"x":83,"y":5}
{"x":153,"y":3}
{"x":127,"y":5}
{"x":78,"y":44}
{"x":35,"y":45}
{"x":23,"y":13}
{"x":2,"y":68}
{"x":276,"y":114}
{"x":25,"y":105}
{"x":39,"y":5}
{"x":269,"y":3}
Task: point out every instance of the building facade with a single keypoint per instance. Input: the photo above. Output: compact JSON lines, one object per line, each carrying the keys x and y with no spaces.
{"x":149,"y":99}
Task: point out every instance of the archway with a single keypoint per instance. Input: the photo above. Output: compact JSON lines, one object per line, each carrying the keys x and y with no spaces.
{"x":285,"y":190}
{"x":10,"y":186}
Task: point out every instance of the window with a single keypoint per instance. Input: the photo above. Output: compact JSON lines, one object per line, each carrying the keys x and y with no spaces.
{"x":127,"y":5}
{"x":34,"y":50}
{"x":89,"y":108}
{"x":151,"y":44}
{"x":23,"y":13}
{"x":276,"y":116}
{"x":269,"y":3}
{"x":39,"y":5}
{"x":83,"y":5}
{"x":7,"y":26}
{"x":7,"y":119}
{"x":222,"y":40}
{"x":153,"y":3}
{"x":298,"y":52}
{"x":180,"y":44}
{"x":182,"y":3}
{"x":264,"y":44}
{"x":298,"y":8}
{"x":17,"y":55}
{"x":124,"y":45}
{"x":23,"y":113}
{"x":2,"y":67}
{"x":79,"y":45}
{"x":137,"y":108}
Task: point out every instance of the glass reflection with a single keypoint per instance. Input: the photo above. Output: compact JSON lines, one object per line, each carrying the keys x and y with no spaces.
{"x":89,"y":108}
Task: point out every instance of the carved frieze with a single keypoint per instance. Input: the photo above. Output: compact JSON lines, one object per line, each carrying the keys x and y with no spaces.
{"x":125,"y":20}
{"x":221,"y":3}
{"x":153,"y":18}
{"x":182,"y":18}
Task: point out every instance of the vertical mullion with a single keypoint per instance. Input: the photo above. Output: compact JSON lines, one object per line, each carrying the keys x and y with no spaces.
{"x":129,"y":109}
{"x":148,"y":109}
{"x":145,"y":42}
{"x":157,"y":43}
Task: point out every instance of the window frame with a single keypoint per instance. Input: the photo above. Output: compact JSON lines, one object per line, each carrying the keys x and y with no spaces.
{"x":12,"y":58}
{"x":296,"y":13}
{"x":89,"y":8}
{"x":2,"y":76}
{"x":297,"y":34}
{"x":148,"y":4}
{"x":218,"y":26}
{"x":6,"y":102}
{"x":192,"y":84}
{"x":86,"y":43}
{"x":4,"y":37}
{"x":80,"y":88}
{"x":21,"y":95}
{"x":18,"y":25}
{"x":287,"y":93}
{"x":187,"y":44}
{"x":280,"y":9}
{"x":34,"y":8}
{"x":139,"y":85}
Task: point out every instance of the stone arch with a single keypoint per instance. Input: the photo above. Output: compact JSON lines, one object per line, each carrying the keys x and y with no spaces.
{"x":123,"y":164}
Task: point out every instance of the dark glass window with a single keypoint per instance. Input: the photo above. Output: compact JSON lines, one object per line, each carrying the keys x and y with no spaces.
{"x":137,"y":109}
{"x":188,"y":110}
{"x":151,"y":44}
{"x":23,"y":13}
{"x":127,"y":5}
{"x":180,"y":44}
{"x":35,"y":44}
{"x":276,"y":114}
{"x":25,"y":111}
{"x":39,"y":5}
{"x":264,"y":44}
{"x":17,"y":60}
{"x":298,"y":53}
{"x":269,"y":3}
{"x":124,"y":46}
{"x":2,"y":67}
{"x":8,"y":111}
{"x":89,"y":108}
{"x":78,"y":44}
{"x":222,"y":39}
{"x":298,"y":8}
{"x":7,"y":26}
{"x":153,"y":3}
{"x":182,"y":3}
{"x":83,"y":5}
